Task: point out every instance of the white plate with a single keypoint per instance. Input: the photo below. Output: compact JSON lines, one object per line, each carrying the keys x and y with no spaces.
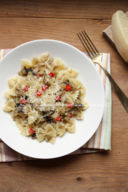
{"x":74,"y":58}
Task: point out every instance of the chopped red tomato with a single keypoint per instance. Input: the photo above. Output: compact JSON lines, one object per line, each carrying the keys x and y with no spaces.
{"x":39,"y":74}
{"x":26,"y":88}
{"x":51,"y":74}
{"x":23,"y":101}
{"x":70,"y":115}
{"x":58,"y":118}
{"x":58,"y":98}
{"x":68,"y":87}
{"x":31,"y":131}
{"x":38,"y":93}
{"x":70,"y":105}
{"x":44,"y":88}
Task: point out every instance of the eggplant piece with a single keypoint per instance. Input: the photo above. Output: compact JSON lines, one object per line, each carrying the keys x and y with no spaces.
{"x":66,"y":82}
{"x":19,"y":107}
{"x":49,"y":119}
{"x":47,"y":113}
{"x":27,"y":70}
{"x":77,"y":107}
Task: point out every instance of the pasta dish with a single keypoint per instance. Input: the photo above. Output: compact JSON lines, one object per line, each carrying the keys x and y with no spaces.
{"x":45,"y":98}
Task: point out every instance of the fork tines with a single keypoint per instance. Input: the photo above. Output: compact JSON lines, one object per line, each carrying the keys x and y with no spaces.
{"x":88,"y":44}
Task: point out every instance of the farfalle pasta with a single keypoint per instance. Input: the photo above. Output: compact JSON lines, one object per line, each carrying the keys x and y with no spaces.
{"x":45,"y":98}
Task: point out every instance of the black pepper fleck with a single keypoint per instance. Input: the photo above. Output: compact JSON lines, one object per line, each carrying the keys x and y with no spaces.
{"x":34,"y":135}
{"x":18,"y":104}
{"x":26,"y":97}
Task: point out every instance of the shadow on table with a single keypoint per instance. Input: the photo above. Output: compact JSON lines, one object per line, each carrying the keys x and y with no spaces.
{"x":62,"y":161}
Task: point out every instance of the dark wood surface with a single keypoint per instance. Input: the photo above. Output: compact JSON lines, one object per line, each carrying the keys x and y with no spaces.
{"x":25,"y":20}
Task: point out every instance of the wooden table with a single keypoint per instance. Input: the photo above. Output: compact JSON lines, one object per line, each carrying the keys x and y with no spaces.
{"x":25,"y":20}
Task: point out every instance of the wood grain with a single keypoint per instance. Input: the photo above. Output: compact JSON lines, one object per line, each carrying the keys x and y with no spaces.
{"x":106,"y":172}
{"x":95,"y":9}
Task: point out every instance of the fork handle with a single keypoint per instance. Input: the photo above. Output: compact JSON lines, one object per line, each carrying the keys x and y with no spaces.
{"x":123,"y":98}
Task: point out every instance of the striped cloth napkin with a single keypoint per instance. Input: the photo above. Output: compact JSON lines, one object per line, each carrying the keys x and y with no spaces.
{"x":100,"y":141}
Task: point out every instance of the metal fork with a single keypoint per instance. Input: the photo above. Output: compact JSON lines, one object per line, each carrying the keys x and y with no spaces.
{"x":96,"y":58}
